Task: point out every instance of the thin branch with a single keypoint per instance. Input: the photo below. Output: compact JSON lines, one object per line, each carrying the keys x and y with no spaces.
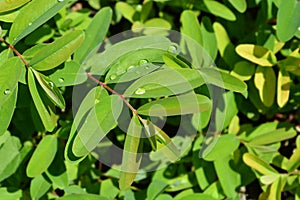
{"x":15,"y":51}
{"x":90,"y":76}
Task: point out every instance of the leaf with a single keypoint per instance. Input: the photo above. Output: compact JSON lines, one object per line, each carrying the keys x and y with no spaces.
{"x":126,"y":10}
{"x":10,"y":157}
{"x":228,"y":177}
{"x":273,"y":136}
{"x":156,"y":85}
{"x":42,"y":156}
{"x":45,"y":114}
{"x":265,"y":82}
{"x":210,"y":40}
{"x":7,"y":195}
{"x":33,"y":15}
{"x":258,"y":164}
{"x":57,"y":52}
{"x":276,"y":189}
{"x":217,"y":9}
{"x":283,"y":87}
{"x":11,"y":5}
{"x":150,"y":132}
{"x":239,"y":5}
{"x":191,"y":26}
{"x":243,"y":70}
{"x":177,"y":105}
{"x":100,"y":62}
{"x":257,"y":54}
{"x":288,"y":19}
{"x":294,"y":161}
{"x":71,"y":74}
{"x":101,"y":119}
{"x":215,"y":148}
{"x":155,"y":188}
{"x":158,"y":22}
{"x":108,"y":185}
{"x":50,"y":89}
{"x":224,"y":80}
{"x":173,"y":61}
{"x":82,"y":197}
{"x":99,"y":24}
{"x":38,"y":187}
{"x":132,"y":156}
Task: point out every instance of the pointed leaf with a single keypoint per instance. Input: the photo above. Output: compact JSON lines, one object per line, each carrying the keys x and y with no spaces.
{"x":256,"y":54}
{"x":283,"y":87}
{"x":258,"y":164}
{"x":210,"y":40}
{"x":42,"y":156}
{"x":173,"y":61}
{"x":156,"y":85}
{"x":265,"y":82}
{"x":132,"y":156}
{"x":126,"y":10}
{"x":38,"y":187}
{"x":99,"y":24}
{"x":150,"y":132}
{"x":239,"y":5}
{"x":45,"y":114}
{"x":33,"y":15}
{"x":288,"y":19}
{"x":294,"y":161}
{"x":176,"y":105}
{"x":191,"y":26}
{"x":57,"y":52}
{"x":155,"y":188}
{"x":50,"y":89}
{"x":100,"y":120}
{"x":276,"y":189}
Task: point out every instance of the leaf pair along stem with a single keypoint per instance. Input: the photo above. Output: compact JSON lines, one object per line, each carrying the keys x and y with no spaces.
{"x":90,"y":76}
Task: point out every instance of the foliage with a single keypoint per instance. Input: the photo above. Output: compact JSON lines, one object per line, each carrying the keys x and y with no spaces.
{"x":244,"y":112}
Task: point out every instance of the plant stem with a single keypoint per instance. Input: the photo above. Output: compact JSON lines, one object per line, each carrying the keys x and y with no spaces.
{"x":15,"y":51}
{"x":90,"y":76}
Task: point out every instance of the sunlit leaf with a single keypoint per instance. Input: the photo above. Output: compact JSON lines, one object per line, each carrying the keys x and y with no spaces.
{"x":256,"y":54}
{"x":217,"y":9}
{"x":294,"y":161}
{"x":283,"y":87}
{"x":265,"y":82}
{"x":6,"y":194}
{"x":42,"y":156}
{"x":132,"y":156}
{"x":258,"y":164}
{"x":240,"y":5}
{"x":82,"y":197}
{"x":38,"y":187}
{"x":126,"y":10}
{"x":10,"y":5}
{"x":155,"y":188}
{"x":150,"y":132}
{"x":33,"y":15}
{"x":276,"y":189}
{"x":191,"y":26}
{"x":57,"y":52}
{"x":243,"y":70}
{"x":177,"y":105}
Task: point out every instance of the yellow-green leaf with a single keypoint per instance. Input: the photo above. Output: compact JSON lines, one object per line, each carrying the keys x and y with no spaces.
{"x":294,"y":161}
{"x":258,"y":164}
{"x":283,"y":87}
{"x":7,"y":5}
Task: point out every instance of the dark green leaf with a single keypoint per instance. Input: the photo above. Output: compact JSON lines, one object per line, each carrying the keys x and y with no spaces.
{"x":57,"y":52}
{"x":42,"y":156}
{"x":33,"y":15}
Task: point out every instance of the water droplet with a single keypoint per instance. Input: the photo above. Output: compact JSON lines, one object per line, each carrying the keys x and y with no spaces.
{"x":60,"y":0}
{"x":130,"y":68}
{"x":113,"y":76}
{"x":143,"y":61}
{"x":61,"y":80}
{"x":51,"y":84}
{"x":139,"y":8}
{"x":140,"y":91}
{"x":30,"y":24}
{"x":7,"y":92}
{"x":299,"y":28}
{"x":147,"y":67}
{"x":173,"y":49}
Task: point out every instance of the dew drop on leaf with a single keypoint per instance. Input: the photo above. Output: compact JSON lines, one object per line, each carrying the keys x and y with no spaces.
{"x":147,"y":67}
{"x":172,"y":49}
{"x":60,"y":0}
{"x":7,"y":92}
{"x":140,"y":91}
{"x":51,"y":84}
{"x":61,"y":80}
{"x":129,"y":68}
{"x":30,"y":24}
{"x":143,"y":61}
{"x":113,"y":76}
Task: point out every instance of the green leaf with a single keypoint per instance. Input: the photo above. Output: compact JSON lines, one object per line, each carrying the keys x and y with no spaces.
{"x":10,"y":156}
{"x":243,"y":70}
{"x":38,"y":187}
{"x":132,"y":156}
{"x":197,"y":196}
{"x":158,"y":22}
{"x":257,"y":54}
{"x":239,"y":5}
{"x":108,"y":185}
{"x":45,"y":114}
{"x":42,"y":156}
{"x":191,"y":26}
{"x":50,"y":89}
{"x":217,"y":9}
{"x":11,"y":5}
{"x":210,"y":41}
{"x":6,"y":194}
{"x":100,"y":120}
{"x":150,"y":132}
{"x":99,"y":24}
{"x":126,"y":10}
{"x":258,"y":164}
{"x":33,"y":15}
{"x":265,"y":82}
{"x":283,"y":87}
{"x":156,"y":85}
{"x":215,"y":148}
{"x":288,"y":19}
{"x":224,"y":80}
{"x":294,"y":161}
{"x":229,"y":179}
{"x":82,"y":197}
{"x":99,"y":63}
{"x":57,"y":52}
{"x":178,"y":105}
{"x":276,"y":189}
{"x":173,"y":61}
{"x":155,"y":188}
{"x":71,"y":74}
